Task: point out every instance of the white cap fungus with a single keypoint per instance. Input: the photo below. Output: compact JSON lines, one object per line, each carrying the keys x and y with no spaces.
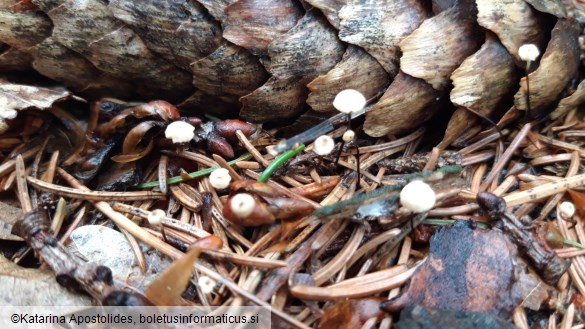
{"x":242,"y":204}
{"x":180,"y":132}
{"x":417,"y":196}
{"x":206,"y":284}
{"x":528,"y":52}
{"x":567,"y":209}
{"x":220,"y":178}
{"x":348,"y":136}
{"x":349,"y":100}
{"x":323,"y":145}
{"x":156,"y":217}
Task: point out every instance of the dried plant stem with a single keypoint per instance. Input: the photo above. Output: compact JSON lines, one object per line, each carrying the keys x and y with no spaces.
{"x":93,"y":195}
{"x":50,"y":172}
{"x":125,"y":223}
{"x":162,"y":173}
{"x":21,"y":187}
{"x":251,"y":149}
{"x":365,"y":286}
{"x":8,"y":166}
{"x":222,"y":163}
{"x":499,"y":165}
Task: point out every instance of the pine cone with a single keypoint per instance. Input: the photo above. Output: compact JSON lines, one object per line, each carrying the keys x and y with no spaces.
{"x":275,"y":60}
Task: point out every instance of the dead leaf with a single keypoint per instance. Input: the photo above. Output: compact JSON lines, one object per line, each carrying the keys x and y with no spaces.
{"x":513,"y":21}
{"x":557,"y":67}
{"x":404,"y":105}
{"x":166,"y":290}
{"x":467,"y":270}
{"x":24,"y":286}
{"x":248,"y":26}
{"x":15,"y":97}
{"x":479,"y":84}
{"x":379,"y":26}
{"x":571,"y":102}
{"x":356,"y":70}
{"x":349,"y":314}
{"x":438,"y":46}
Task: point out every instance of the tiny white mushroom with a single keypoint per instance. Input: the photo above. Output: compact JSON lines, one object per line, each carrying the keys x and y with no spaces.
{"x":349,"y":100}
{"x":242,"y":204}
{"x":323,"y":145}
{"x":567,"y":210}
{"x":348,"y":136}
{"x":180,"y":132}
{"x":156,"y":217}
{"x":417,"y":196}
{"x":220,"y":178}
{"x":206,"y":284}
{"x":528,"y":52}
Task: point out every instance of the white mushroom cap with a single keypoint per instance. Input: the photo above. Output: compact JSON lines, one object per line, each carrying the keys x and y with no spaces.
{"x":180,"y":132}
{"x":349,"y":100}
{"x":156,"y":217}
{"x":323,"y":145}
{"x":567,"y":209}
{"x":348,"y":136}
{"x":528,"y":52}
{"x":242,"y":204}
{"x":417,"y":196}
{"x":220,"y":178}
{"x":206,"y":284}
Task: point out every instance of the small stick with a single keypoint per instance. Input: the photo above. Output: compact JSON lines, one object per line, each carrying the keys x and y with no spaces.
{"x":162,"y":173}
{"x":93,"y":195}
{"x":499,"y":165}
{"x":21,"y":186}
{"x":251,"y":149}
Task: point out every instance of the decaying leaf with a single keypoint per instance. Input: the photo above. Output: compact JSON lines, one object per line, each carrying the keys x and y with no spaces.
{"x":166,"y":290}
{"x":436,"y":48}
{"x":248,"y":26}
{"x":356,"y":70}
{"x":24,"y":286}
{"x":404,"y":105}
{"x":352,"y":313}
{"x":557,"y":67}
{"x":481,"y":81}
{"x":515,"y":23}
{"x":378,"y":27}
{"x":15,"y":97}
{"x":467,"y":270}
{"x":571,"y":102}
